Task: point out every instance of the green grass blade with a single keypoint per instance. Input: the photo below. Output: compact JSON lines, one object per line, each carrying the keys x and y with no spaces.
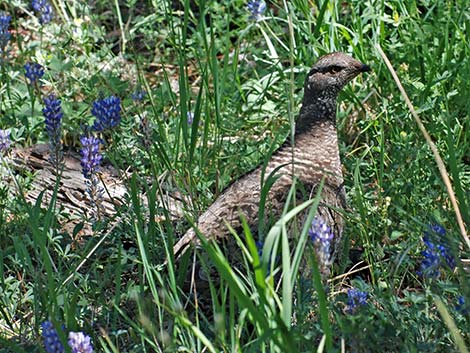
{"x":450,"y":323}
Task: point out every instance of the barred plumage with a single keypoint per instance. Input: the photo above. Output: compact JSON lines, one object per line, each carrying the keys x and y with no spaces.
{"x":315,"y":152}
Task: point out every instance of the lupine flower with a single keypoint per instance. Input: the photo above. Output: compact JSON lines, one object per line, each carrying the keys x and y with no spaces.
{"x":4,"y":34}
{"x":445,"y":252}
{"x":107,"y":112}
{"x":259,"y":246}
{"x":33,"y":71}
{"x":436,"y":254}
{"x":53,"y":114}
{"x":80,"y":343}
{"x":431,"y":262}
{"x":322,"y":236}
{"x":43,"y":9}
{"x":462,"y":307}
{"x":356,"y":298}
{"x":5,"y":141}
{"x":139,"y":95}
{"x":53,"y":120}
{"x":91,"y":157}
{"x":256,"y":8}
{"x":50,"y":338}
{"x":190,"y":116}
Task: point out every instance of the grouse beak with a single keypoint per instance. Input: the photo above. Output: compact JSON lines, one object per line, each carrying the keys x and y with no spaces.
{"x":364,"y":68}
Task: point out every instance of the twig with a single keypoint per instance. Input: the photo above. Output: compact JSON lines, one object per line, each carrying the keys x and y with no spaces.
{"x":350,"y":272}
{"x":437,"y":157}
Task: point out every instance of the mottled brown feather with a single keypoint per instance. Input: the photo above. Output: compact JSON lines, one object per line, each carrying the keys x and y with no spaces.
{"x":315,"y":154}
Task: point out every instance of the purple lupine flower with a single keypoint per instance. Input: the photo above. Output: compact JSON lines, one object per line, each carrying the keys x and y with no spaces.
{"x":462,"y":307}
{"x":50,"y":338}
{"x":53,"y":114}
{"x":107,"y":112}
{"x":44,"y":10}
{"x":437,"y":253}
{"x":437,"y":228}
{"x":5,"y":140}
{"x":138,"y":95}
{"x":356,"y":298}
{"x":322,"y":236}
{"x":80,"y":343}
{"x":443,"y":247}
{"x":190,"y":117}
{"x":91,"y":157}
{"x":256,"y":8}
{"x":53,"y":120}
{"x":4,"y":33}
{"x":259,"y":246}
{"x":33,"y":71}
{"x":431,"y":261}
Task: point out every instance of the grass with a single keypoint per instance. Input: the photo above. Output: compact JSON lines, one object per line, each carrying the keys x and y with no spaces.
{"x":116,"y":279}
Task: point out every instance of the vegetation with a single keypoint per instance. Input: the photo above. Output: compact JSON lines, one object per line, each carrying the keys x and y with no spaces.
{"x":182,"y":97}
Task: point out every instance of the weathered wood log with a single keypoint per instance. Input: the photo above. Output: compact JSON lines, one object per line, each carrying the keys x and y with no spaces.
{"x":71,"y":197}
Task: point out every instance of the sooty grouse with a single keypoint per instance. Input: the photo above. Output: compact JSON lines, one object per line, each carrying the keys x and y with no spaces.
{"x":315,"y":155}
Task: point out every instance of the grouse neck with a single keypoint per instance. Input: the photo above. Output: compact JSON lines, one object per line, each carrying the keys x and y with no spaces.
{"x":317,"y":109}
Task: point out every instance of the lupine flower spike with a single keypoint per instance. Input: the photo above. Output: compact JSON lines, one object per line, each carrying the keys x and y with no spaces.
{"x":53,"y":120}
{"x":256,"y":8}
{"x":80,"y":343}
{"x":107,"y":112}
{"x":437,"y":254}
{"x":321,"y":236}
{"x":138,"y":95}
{"x":91,"y":159}
{"x":462,"y":307}
{"x":5,"y":141}
{"x":259,"y":247}
{"x":44,"y":10}
{"x":33,"y":71}
{"x":4,"y":146}
{"x":4,"y":33}
{"x":50,"y":338}
{"x":190,"y":117}
{"x":356,"y":298}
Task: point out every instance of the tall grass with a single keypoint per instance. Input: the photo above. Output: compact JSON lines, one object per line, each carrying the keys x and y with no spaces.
{"x":241,"y":78}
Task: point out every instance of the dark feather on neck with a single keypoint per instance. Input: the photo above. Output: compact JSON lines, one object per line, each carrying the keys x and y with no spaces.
{"x":316,"y":108}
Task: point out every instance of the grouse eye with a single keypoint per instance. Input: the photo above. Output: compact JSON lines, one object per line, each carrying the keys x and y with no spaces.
{"x":334,"y":69}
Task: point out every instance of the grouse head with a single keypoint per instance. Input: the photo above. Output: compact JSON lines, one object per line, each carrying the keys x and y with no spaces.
{"x":332,"y":72}
{"x":323,"y":83}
